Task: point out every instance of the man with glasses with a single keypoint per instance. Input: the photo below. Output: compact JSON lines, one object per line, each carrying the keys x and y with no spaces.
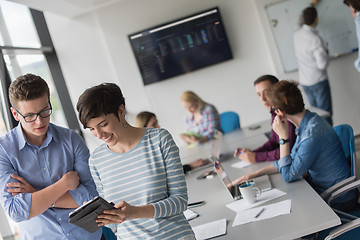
{"x":44,"y":171}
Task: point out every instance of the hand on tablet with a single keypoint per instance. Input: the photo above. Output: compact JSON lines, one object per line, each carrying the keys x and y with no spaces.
{"x":123,"y":211}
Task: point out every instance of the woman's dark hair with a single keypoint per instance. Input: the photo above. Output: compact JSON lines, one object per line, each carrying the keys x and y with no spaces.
{"x":103,"y":99}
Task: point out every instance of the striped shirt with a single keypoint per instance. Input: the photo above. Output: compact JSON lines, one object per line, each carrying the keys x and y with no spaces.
{"x":150,"y":173}
{"x":210,"y":120}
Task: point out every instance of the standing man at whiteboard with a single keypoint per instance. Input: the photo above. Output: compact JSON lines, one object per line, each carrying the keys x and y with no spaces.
{"x":313,"y":59}
{"x":354,"y":6}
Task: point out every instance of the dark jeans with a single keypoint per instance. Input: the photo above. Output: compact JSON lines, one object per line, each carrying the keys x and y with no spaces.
{"x":319,"y":96}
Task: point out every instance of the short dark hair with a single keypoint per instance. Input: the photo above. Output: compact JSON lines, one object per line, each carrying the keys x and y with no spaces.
{"x":309,"y":15}
{"x":354,"y":3}
{"x":27,"y":87}
{"x":272,"y":79}
{"x":286,"y":96}
{"x":102,"y":99}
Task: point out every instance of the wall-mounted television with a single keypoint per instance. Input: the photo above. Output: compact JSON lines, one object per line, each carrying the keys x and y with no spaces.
{"x":180,"y":46}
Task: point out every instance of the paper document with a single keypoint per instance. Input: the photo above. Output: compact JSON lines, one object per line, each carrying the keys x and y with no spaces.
{"x":189,"y":214}
{"x":241,"y":205}
{"x":240,"y":164}
{"x":210,"y":230}
{"x":268,"y":211}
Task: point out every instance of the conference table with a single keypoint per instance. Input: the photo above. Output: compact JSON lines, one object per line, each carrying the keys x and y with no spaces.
{"x":309,"y":213}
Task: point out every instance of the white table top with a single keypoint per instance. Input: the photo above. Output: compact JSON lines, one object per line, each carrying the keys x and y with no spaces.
{"x":203,"y":150}
{"x":309,"y":213}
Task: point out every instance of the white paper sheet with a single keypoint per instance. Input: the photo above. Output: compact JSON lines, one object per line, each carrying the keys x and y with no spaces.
{"x":190,"y":214}
{"x":240,"y":164}
{"x":210,"y":230}
{"x":270,"y":211}
{"x":241,"y":205}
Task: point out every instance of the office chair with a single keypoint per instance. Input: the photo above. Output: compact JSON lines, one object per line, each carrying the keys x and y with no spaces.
{"x":346,"y":135}
{"x":229,"y":121}
{"x":345,"y":132}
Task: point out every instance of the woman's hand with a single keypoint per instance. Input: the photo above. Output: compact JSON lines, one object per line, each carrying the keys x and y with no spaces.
{"x":125,"y":211}
{"x":188,"y":139}
{"x":122,"y":212}
{"x":198,"y":163}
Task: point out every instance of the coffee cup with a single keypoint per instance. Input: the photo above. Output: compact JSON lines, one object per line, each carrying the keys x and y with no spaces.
{"x":249,"y":192}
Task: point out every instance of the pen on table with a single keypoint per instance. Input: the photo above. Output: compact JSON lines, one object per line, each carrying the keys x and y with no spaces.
{"x":259,"y":213}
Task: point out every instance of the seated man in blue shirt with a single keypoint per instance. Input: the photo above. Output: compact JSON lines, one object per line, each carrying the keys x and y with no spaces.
{"x":317,"y":150}
{"x":44,"y":172}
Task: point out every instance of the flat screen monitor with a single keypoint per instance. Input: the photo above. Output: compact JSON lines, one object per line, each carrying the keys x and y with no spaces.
{"x":180,"y":46}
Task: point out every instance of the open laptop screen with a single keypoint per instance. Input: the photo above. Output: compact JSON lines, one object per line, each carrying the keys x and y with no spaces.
{"x":233,"y":189}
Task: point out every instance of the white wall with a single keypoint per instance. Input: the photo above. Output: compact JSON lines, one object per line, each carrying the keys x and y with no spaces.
{"x":94,"y":48}
{"x":343,"y":77}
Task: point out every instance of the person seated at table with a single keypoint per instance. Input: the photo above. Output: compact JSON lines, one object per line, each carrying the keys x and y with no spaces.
{"x":202,"y":118}
{"x":139,"y":169}
{"x":269,"y":151}
{"x":148,"y":119}
{"x":317,"y":150}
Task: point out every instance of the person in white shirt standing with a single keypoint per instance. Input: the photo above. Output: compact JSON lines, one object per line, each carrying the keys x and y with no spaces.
{"x":313,"y":59}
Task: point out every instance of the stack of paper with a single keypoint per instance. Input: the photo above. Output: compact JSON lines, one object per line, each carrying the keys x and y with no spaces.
{"x":268,"y":211}
{"x":210,"y":230}
{"x":246,"y":213}
{"x":189,"y":214}
{"x":240,"y":164}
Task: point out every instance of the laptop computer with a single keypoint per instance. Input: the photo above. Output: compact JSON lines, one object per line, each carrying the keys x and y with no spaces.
{"x":262,"y":182}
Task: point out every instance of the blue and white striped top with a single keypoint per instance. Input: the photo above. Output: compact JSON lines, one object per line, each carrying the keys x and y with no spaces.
{"x":150,"y":173}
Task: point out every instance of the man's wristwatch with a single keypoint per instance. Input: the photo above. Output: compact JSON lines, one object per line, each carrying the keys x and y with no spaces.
{"x":52,"y":205}
{"x":283,"y":141}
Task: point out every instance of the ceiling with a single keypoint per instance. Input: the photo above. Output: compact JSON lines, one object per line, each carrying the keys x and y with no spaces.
{"x":68,"y":8}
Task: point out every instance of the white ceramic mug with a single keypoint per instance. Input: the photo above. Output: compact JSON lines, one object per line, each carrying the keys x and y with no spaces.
{"x":249,"y":192}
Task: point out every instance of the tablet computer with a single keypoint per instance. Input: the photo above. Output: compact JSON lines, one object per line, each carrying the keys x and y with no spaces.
{"x":85,"y":215}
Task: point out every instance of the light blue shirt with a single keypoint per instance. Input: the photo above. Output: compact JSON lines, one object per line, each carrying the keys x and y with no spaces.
{"x":357,"y":25}
{"x":62,"y":151}
{"x":318,"y":150}
{"x":150,"y":173}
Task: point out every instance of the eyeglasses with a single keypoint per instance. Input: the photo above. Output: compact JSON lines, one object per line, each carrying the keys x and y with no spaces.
{"x":32,"y":117}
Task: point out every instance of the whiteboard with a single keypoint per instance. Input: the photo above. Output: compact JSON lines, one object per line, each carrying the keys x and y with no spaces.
{"x":336,"y":26}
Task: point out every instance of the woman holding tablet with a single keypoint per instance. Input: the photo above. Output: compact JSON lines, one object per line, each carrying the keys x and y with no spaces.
{"x":138,"y":169}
